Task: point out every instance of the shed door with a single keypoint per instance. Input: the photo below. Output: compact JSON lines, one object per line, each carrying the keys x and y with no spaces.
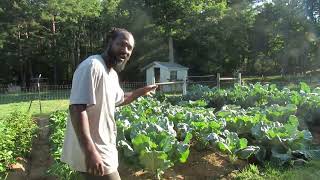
{"x":157,"y":74}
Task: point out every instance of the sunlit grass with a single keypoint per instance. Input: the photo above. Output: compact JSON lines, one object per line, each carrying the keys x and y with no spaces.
{"x":47,"y":106}
{"x":311,"y":171}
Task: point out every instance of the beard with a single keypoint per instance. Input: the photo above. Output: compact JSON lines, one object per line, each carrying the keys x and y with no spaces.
{"x":120,"y":66}
{"x":115,"y":62}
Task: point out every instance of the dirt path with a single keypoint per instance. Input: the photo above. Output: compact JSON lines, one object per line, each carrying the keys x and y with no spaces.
{"x":40,"y":160}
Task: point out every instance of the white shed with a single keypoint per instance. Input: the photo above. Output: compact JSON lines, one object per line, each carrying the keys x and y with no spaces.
{"x":165,"y":72}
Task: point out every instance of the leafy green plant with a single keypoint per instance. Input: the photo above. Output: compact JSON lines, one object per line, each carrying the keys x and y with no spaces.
{"x":16,"y":133}
{"x":57,"y":127}
{"x":254,"y":121}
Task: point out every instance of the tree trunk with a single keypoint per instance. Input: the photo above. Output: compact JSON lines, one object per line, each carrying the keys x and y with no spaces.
{"x":21,"y":67}
{"x":55,"y":73}
{"x":30,"y":71}
{"x":78,"y":45}
{"x":28,"y":68}
{"x":74,"y":51}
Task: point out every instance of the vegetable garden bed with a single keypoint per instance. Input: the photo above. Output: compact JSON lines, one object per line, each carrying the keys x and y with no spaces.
{"x":180,"y":137}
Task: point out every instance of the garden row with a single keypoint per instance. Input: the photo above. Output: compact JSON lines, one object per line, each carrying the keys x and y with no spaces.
{"x":16,"y":133}
{"x":255,"y":95}
{"x":260,"y":124}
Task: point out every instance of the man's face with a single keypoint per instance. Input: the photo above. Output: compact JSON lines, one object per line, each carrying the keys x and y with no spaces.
{"x":121,"y":50}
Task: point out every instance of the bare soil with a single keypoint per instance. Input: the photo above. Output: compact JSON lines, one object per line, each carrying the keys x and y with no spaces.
{"x":315,"y":131}
{"x":201,"y":165}
{"x":35,"y":166}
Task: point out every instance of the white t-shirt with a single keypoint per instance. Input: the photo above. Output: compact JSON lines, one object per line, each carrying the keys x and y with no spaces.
{"x":93,"y":85}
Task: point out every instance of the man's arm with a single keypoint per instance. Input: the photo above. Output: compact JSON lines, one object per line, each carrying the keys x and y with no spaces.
{"x":131,"y":96}
{"x":80,"y":123}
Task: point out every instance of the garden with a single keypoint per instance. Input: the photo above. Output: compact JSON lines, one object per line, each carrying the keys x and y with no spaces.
{"x":235,"y":133}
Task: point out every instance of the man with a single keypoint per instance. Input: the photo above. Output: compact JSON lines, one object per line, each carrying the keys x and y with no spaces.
{"x":90,"y":138}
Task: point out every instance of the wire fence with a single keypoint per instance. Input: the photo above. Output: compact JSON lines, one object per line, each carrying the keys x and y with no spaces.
{"x":46,"y":92}
{"x":12,"y":94}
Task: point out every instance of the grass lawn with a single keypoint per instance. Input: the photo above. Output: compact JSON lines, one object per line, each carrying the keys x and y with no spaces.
{"x":48,"y":106}
{"x":26,"y":96}
{"x":311,"y":171}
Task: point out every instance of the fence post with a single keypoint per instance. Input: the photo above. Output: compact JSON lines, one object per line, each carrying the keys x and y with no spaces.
{"x":153,"y":81}
{"x":218,"y":80}
{"x":310,"y":77}
{"x":39,"y":96}
{"x":239,"y":78}
{"x":184,"y":86}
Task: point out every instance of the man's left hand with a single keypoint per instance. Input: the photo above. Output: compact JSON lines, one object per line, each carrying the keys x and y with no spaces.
{"x":131,"y":96}
{"x":148,"y":90}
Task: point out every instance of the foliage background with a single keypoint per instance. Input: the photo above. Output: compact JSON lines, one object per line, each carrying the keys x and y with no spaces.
{"x":255,"y":37}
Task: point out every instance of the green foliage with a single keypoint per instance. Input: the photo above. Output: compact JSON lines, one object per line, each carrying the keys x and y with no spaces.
{"x":310,"y":171}
{"x":149,"y":134}
{"x":157,"y":135}
{"x":267,"y":117}
{"x":155,"y":161}
{"x":232,"y":144}
{"x":304,"y":103}
{"x":57,"y":127}
{"x":16,"y":133}
{"x":53,"y":36}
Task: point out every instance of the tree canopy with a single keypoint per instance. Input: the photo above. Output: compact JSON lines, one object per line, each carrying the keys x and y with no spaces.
{"x":51,"y":37}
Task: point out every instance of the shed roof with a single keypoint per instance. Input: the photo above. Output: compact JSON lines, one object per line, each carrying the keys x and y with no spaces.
{"x":168,"y":65}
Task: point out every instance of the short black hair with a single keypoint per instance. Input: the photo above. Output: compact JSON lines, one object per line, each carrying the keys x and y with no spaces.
{"x":115,"y":32}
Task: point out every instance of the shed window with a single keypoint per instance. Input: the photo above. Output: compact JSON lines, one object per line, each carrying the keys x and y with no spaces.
{"x":173,"y":75}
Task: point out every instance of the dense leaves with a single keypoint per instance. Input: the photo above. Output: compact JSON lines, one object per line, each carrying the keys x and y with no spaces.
{"x":52,"y":37}
{"x":57,"y":129}
{"x":157,"y":135}
{"x":16,"y":134}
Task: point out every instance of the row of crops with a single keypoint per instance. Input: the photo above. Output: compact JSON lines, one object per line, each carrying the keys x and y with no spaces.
{"x":257,"y":122}
{"x":57,"y":127}
{"x":16,"y":133}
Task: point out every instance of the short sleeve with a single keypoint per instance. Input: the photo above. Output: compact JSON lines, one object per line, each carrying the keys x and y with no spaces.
{"x":119,"y":96}
{"x":84,"y":83}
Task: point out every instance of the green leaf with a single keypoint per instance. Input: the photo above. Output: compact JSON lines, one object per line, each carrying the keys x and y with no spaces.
{"x":143,"y":142}
{"x":224,"y":148}
{"x":188,"y":138}
{"x":166,"y":143}
{"x":280,"y":155}
{"x":127,"y":149}
{"x":261,"y":154}
{"x":213,"y":138}
{"x":304,"y":87}
{"x":307,"y":136}
{"x":248,"y":152}
{"x":214,"y":125}
{"x":183,"y":150}
{"x":243,"y":143}
{"x":155,"y":160}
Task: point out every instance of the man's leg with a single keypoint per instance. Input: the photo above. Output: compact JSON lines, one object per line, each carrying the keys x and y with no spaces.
{"x":112,"y":176}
